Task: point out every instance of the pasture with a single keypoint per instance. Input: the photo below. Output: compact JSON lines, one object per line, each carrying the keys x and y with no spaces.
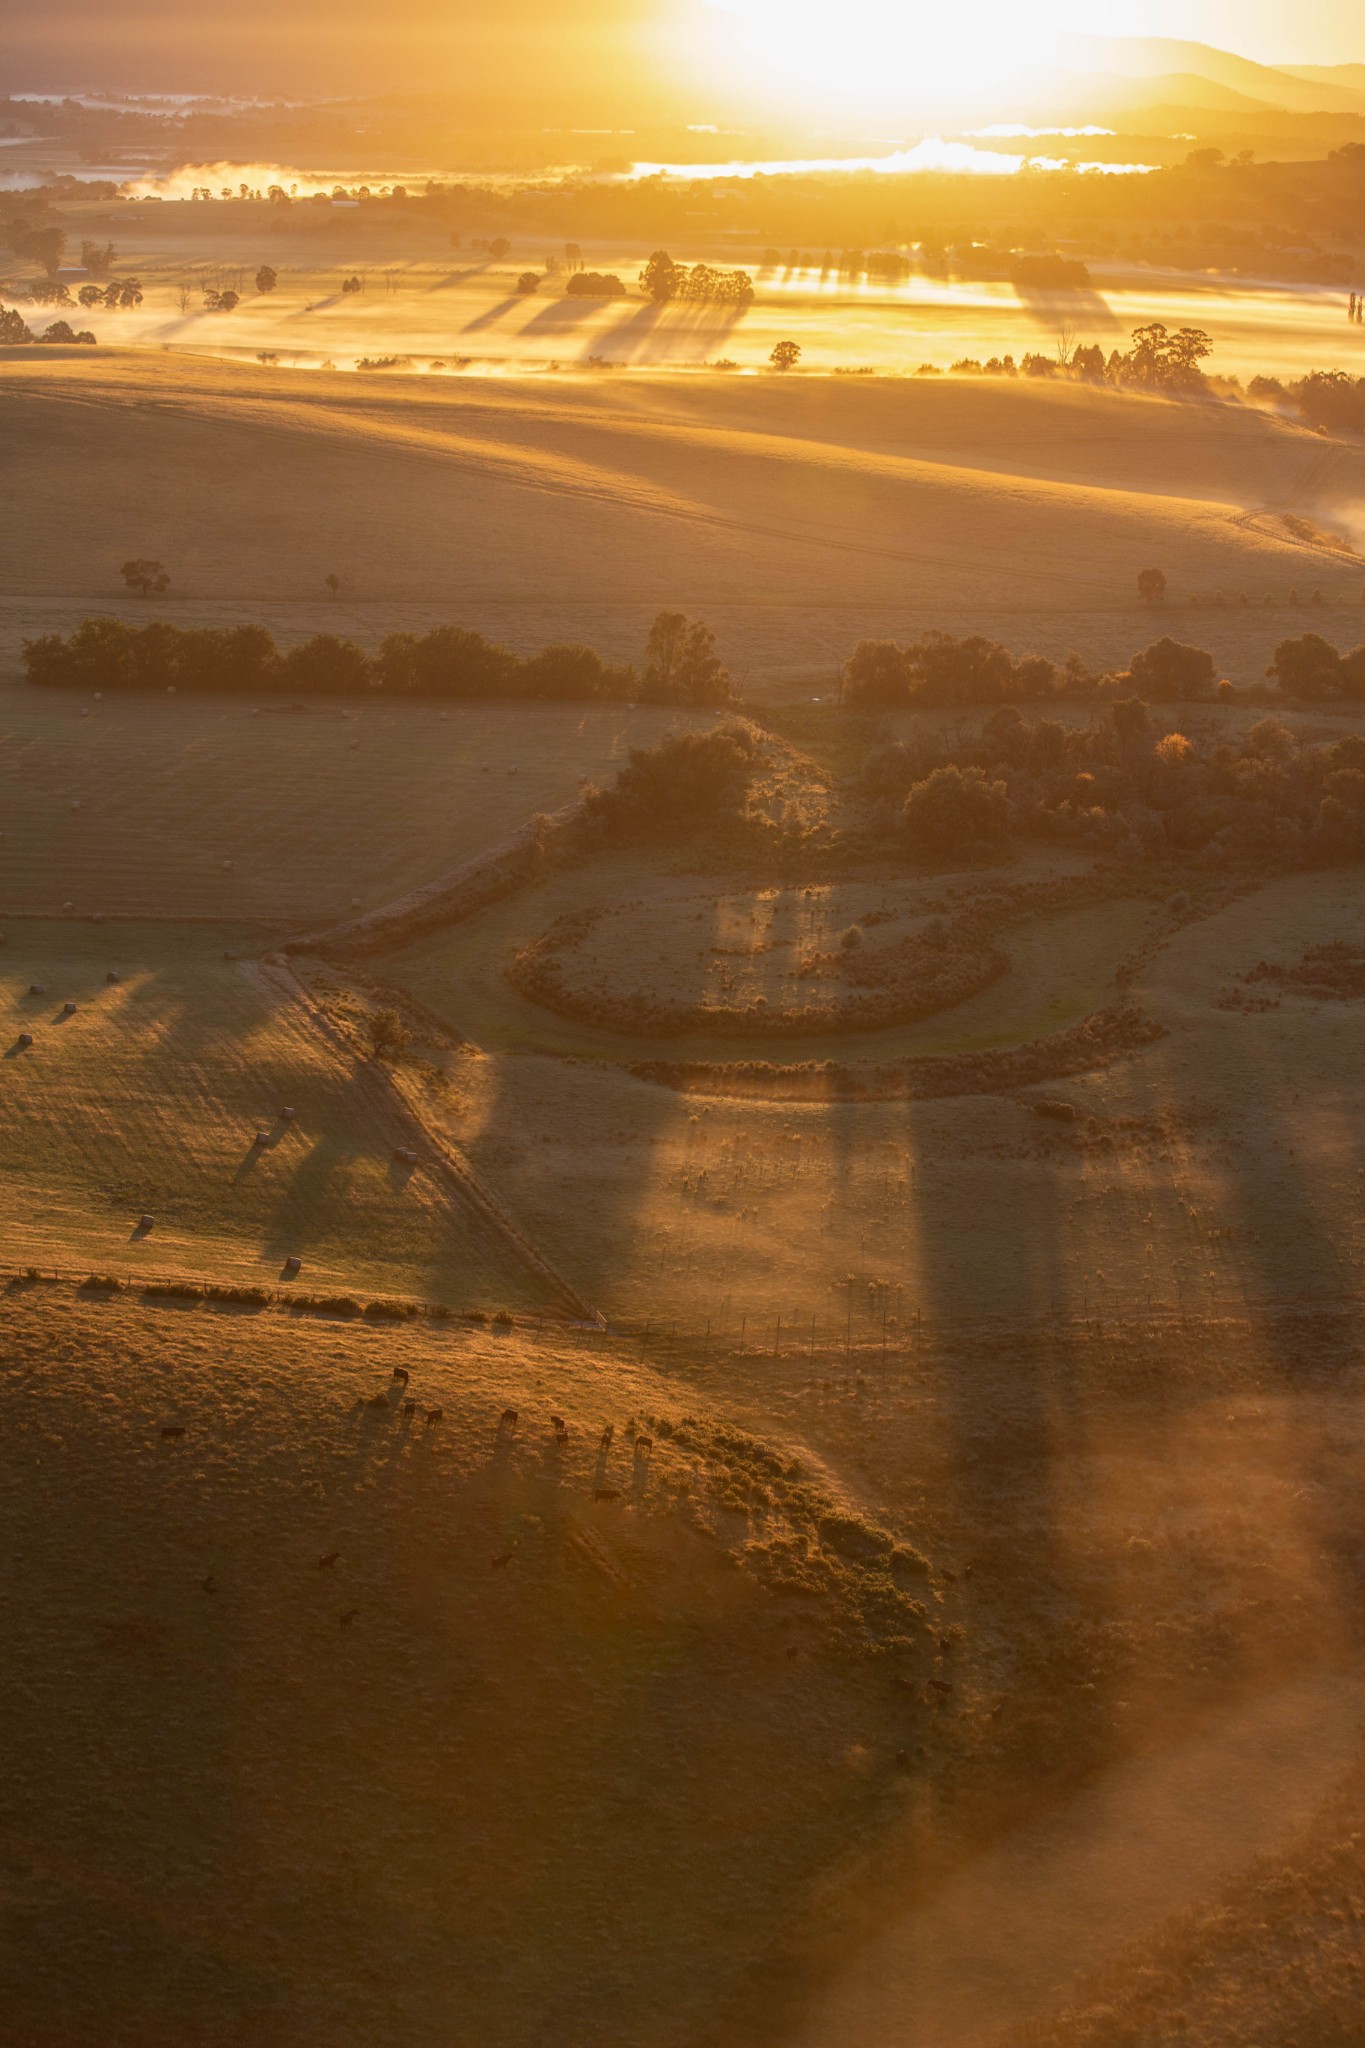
{"x":796,"y":518}
{"x":160,"y":1095}
{"x":979,"y":1462}
{"x":282,"y":813}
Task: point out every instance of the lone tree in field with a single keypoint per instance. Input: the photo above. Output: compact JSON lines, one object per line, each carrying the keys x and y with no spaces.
{"x":266,"y":278}
{"x":147,"y":579}
{"x":527,"y":282}
{"x":786,"y":355}
{"x":681,"y":663}
{"x":333,"y":583}
{"x":387,"y":1034}
{"x":499,"y":248}
{"x":1151,"y":586}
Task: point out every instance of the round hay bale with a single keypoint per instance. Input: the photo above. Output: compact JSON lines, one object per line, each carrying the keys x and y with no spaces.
{"x":113,"y":976}
{"x":25,"y":1038}
{"x":35,"y":988}
{"x":145,"y":1222}
{"x":68,"y":1009}
{"x":286,"y":1115}
{"x":68,"y":906}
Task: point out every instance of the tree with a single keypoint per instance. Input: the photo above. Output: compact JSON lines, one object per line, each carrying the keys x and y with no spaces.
{"x":387,"y":1033}
{"x":13,"y":328}
{"x":145,"y":577}
{"x":681,"y":664}
{"x":528,"y":282}
{"x":572,"y":673}
{"x":326,"y":665}
{"x":661,"y":277}
{"x":89,"y":295}
{"x":876,"y":676}
{"x":1307,"y":666}
{"x":332,"y":583}
{"x":499,"y":248}
{"x":97,"y":257}
{"x":953,"y":812}
{"x":1161,"y":361}
{"x":785,"y":355}
{"x":266,"y":278}
{"x":350,"y":286}
{"x":1169,"y":669}
{"x":183,"y":295}
{"x":220,"y":302}
{"x":1151,"y":586}
{"x":689,"y":781}
{"x":63,"y":331}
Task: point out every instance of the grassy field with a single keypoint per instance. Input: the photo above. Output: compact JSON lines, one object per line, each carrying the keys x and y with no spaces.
{"x":988,"y":1589}
{"x":149,"y":1100}
{"x":796,"y":517}
{"x":211,"y":807}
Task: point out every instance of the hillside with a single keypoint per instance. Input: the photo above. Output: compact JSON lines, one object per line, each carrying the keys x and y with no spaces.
{"x":796,"y":518}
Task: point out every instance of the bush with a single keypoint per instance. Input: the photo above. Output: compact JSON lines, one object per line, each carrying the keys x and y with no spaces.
{"x":102,"y":1283}
{"x":594,"y":284}
{"x":953,"y":812}
{"x":326,"y":1304}
{"x":1310,"y":667}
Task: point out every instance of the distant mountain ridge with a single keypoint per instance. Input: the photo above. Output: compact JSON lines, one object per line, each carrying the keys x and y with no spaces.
{"x":1307,"y":89}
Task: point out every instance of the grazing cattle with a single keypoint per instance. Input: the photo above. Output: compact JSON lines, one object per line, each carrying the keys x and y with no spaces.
{"x":560,"y":1428}
{"x":172,"y":1432}
{"x":508,"y":1419}
{"x":607,"y":1434}
{"x":348,"y":1617}
{"x":435,"y":1415}
{"x":644,"y":1449}
{"x":325,"y":1563}
{"x":409,"y":1407}
{"x":940,"y":1685}
{"x":400,"y":1375}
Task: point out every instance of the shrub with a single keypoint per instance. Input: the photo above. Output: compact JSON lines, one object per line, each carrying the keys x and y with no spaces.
{"x":326,"y":1304}
{"x":102,"y":1283}
{"x":594,"y":284}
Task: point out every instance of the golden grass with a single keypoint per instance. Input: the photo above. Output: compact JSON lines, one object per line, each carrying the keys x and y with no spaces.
{"x":150,"y":1098}
{"x":213,"y":807}
{"x":798,"y":517}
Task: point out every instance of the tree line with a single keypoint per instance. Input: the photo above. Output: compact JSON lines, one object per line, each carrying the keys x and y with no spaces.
{"x":680,"y":664}
{"x":940,"y":669}
{"x":1121,"y":785}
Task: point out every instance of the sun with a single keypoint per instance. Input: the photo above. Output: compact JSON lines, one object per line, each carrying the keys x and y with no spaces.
{"x":897,"y":51}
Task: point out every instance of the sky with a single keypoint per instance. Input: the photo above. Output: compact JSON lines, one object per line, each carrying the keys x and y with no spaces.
{"x":529,"y":47}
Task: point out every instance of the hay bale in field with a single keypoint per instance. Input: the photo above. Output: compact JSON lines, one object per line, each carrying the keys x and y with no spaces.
{"x":145,"y":1222}
{"x":25,"y":1040}
{"x":111,"y":976}
{"x":35,"y":988}
{"x":293,"y":1264}
{"x":68,"y":1009}
{"x":262,"y":1138}
{"x":286,"y":1115}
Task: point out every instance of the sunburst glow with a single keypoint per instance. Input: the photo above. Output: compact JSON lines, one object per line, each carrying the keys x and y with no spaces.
{"x":886,"y":50}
